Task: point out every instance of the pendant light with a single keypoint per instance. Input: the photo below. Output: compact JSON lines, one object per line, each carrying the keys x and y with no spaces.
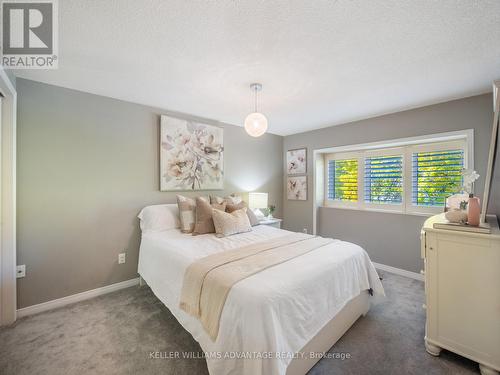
{"x":256,"y":122}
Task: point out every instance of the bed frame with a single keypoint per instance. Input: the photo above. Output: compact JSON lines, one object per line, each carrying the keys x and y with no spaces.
{"x":330,"y":334}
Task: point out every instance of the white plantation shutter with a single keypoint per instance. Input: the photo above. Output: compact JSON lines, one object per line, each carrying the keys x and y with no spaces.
{"x":435,"y":176}
{"x":343,"y":180}
{"x":384,"y":179}
{"x":413,"y":178}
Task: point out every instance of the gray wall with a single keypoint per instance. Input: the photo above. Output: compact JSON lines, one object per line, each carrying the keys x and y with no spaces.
{"x":11,"y":76}
{"x":390,"y":239}
{"x":86,"y":166}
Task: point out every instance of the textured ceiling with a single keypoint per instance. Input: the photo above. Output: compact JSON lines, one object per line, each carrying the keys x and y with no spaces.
{"x":321,"y":62}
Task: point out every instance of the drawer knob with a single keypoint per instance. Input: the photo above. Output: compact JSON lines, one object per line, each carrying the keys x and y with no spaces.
{"x":424,"y":306}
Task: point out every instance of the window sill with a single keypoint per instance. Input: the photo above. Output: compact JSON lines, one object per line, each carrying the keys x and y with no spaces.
{"x":381,"y":210}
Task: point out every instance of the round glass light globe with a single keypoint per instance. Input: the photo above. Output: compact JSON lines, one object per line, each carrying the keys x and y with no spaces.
{"x":256,"y":124}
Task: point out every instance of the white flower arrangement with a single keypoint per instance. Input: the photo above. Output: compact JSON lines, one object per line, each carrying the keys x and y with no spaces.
{"x":469,"y":176}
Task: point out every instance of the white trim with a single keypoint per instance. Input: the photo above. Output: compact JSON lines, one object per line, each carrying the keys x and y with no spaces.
{"x":399,"y":271}
{"x":6,"y":80}
{"x":49,"y":305}
{"x":318,"y":186}
{"x":491,"y":154}
{"x":428,"y":138}
{"x":496,"y":88}
{"x":8,"y":201}
{"x":381,"y":210}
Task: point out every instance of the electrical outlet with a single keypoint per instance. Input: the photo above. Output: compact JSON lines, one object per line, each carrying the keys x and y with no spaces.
{"x":21,"y":271}
{"x":304,"y":230}
{"x":121,"y":258}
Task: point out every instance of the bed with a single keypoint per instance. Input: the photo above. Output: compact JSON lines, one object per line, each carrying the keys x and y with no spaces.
{"x":274,"y":320}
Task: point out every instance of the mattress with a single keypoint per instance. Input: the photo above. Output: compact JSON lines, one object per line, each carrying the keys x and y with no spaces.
{"x":269,"y":316}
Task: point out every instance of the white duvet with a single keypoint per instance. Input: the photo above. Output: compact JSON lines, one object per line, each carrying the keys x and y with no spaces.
{"x":272,"y":313}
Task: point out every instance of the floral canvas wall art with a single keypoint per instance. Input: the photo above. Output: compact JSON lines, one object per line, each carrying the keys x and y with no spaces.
{"x":191,"y":155}
{"x":296,"y":188}
{"x":296,"y":161}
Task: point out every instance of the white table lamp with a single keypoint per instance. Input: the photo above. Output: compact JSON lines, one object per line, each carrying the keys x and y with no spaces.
{"x":257,"y":201}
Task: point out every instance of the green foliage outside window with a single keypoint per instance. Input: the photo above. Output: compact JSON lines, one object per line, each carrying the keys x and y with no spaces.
{"x":384,"y":179}
{"x":436,"y":175}
{"x":343,"y":180}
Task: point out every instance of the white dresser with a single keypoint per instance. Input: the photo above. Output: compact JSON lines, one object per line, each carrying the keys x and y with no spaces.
{"x":462,"y":292}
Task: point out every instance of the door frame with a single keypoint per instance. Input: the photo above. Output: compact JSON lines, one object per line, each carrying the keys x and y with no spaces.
{"x":8,"y":132}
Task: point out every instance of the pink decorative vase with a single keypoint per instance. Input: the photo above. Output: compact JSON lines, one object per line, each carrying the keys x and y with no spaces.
{"x":473,"y":211}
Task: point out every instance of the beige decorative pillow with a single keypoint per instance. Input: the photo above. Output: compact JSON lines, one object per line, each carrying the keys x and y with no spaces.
{"x":227,"y":224}
{"x":217,"y":200}
{"x":233,"y":199}
{"x":230,"y":207}
{"x":204,"y":222}
{"x":187,"y":208}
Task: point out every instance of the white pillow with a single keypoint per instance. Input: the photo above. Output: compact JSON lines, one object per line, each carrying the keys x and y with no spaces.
{"x":159,"y":217}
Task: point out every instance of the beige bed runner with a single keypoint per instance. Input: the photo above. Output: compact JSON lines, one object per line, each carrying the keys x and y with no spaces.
{"x":207,"y":281}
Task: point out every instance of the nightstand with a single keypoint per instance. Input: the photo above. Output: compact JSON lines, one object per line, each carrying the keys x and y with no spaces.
{"x":271,"y":222}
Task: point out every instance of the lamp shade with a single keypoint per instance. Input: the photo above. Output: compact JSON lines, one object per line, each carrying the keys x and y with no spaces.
{"x":257,"y":200}
{"x":256,"y":124}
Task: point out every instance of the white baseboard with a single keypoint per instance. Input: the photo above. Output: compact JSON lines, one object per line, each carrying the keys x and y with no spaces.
{"x":49,"y":305}
{"x":399,"y":271}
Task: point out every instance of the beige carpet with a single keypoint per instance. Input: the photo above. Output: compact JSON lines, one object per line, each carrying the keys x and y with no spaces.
{"x":119,"y":333}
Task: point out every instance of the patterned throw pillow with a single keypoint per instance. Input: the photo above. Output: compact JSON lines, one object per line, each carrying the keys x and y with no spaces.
{"x":217,"y":200}
{"x":230,"y":207}
{"x":187,"y":209}
{"x":230,"y":199}
{"x":233,"y":199}
{"x":227,"y":224}
{"x":204,"y":222}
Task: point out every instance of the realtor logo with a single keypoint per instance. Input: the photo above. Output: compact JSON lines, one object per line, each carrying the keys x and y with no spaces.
{"x":29,"y":34}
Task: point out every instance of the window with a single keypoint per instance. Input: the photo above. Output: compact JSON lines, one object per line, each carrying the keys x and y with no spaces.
{"x":436,"y":175}
{"x":410,"y":178}
{"x":343,"y":180}
{"x":384,"y":179}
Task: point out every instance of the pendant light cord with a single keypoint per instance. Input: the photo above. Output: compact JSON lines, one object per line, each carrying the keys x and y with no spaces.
{"x":255,"y":90}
